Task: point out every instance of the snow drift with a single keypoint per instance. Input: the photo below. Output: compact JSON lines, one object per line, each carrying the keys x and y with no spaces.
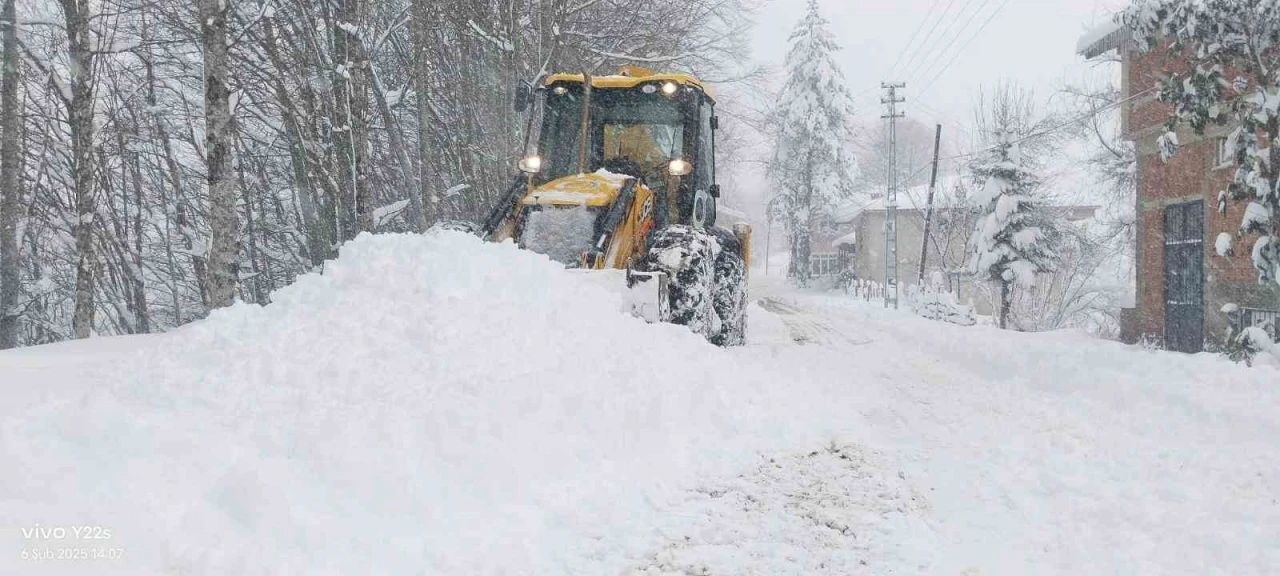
{"x":425,"y":405}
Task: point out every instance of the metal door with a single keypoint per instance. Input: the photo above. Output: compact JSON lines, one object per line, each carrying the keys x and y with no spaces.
{"x":1184,"y":277}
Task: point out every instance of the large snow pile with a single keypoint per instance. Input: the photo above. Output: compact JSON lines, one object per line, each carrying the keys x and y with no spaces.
{"x":427,"y":405}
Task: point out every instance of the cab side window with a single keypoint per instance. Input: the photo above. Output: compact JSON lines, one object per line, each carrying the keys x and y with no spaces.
{"x":706,"y":161}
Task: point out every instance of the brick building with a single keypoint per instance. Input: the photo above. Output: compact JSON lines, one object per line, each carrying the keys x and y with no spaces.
{"x":1182,"y":284}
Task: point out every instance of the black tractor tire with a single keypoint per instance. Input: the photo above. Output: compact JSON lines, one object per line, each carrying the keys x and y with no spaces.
{"x":688,"y":256}
{"x":730,"y":295}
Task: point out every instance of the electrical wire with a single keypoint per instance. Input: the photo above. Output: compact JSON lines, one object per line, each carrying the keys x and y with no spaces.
{"x":957,"y":54}
{"x":914,"y":35}
{"x":1056,"y":127}
{"x":923,"y":72}
{"x":933,"y":29}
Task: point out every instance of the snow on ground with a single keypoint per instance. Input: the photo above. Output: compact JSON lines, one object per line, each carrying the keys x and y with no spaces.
{"x":433,"y":405}
{"x":1059,"y":454}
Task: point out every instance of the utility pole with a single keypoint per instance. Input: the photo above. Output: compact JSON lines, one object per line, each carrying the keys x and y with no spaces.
{"x":891,"y":100}
{"x":928,"y":211}
{"x":768,"y":241}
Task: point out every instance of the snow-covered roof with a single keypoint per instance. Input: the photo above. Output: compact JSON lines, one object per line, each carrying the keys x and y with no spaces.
{"x":1102,"y":39}
{"x":850,"y":239}
{"x":914,"y":198}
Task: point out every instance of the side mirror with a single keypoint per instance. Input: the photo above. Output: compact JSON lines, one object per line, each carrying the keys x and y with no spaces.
{"x":715,"y":122}
{"x":523,"y":97}
{"x":714,"y":191}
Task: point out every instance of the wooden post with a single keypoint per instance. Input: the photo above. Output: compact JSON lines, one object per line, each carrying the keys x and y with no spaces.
{"x":928,"y":211}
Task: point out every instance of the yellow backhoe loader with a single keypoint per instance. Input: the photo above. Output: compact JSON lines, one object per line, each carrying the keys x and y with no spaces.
{"x":619,"y":175}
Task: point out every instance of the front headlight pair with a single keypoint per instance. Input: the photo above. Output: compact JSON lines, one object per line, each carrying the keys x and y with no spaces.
{"x":533,"y":165}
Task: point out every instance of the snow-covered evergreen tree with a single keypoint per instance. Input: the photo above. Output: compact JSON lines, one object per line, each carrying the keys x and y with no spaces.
{"x":1015,"y":235}
{"x":812,"y":165}
{"x":1221,"y":37}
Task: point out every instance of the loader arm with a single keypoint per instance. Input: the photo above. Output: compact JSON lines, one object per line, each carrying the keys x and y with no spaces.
{"x":503,"y":214}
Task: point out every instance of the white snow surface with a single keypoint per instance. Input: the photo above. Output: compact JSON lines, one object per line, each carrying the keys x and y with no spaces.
{"x":435,"y":405}
{"x":1097,"y":34}
{"x":1222,"y":245}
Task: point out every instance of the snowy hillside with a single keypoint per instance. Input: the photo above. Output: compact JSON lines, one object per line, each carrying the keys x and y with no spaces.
{"x":435,"y":405}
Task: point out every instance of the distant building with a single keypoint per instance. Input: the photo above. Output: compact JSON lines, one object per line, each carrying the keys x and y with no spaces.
{"x":860,"y":231}
{"x":1182,"y":284}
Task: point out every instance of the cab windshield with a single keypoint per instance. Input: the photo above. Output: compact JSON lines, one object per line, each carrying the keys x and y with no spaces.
{"x":631,"y":132}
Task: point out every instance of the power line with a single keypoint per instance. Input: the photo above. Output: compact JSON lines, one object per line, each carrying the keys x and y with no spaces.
{"x":922,"y":72}
{"x":1057,"y":127}
{"x":943,"y":115}
{"x":914,"y":35}
{"x":966,"y":46}
{"x":929,"y":35}
{"x":1033,"y":135}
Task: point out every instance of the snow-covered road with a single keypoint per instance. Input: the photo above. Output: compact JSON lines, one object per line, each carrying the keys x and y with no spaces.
{"x":438,"y":406}
{"x":1050,"y":453}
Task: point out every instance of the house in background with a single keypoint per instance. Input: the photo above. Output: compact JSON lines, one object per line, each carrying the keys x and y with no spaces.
{"x":1182,"y":284}
{"x":860,"y":234}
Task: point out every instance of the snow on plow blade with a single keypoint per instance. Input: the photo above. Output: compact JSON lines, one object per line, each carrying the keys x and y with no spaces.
{"x":643,"y":294}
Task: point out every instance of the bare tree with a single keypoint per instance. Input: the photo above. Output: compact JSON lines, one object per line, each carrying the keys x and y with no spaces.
{"x":224,"y":249}
{"x":311,"y":121}
{"x":422,"y":46}
{"x":80,"y":112}
{"x":10,"y":161}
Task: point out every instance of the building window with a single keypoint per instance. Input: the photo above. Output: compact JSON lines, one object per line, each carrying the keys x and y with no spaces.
{"x":823,"y":264}
{"x":1226,"y":153}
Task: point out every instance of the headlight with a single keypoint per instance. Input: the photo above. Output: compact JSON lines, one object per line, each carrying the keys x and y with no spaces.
{"x":670,"y":88}
{"x":531,"y":164}
{"x":680,"y":167}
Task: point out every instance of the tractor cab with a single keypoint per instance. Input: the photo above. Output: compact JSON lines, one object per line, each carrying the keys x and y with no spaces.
{"x":657,"y":128}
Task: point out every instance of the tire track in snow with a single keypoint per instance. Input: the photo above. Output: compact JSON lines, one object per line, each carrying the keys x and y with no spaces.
{"x":836,"y":510}
{"x":806,"y":328}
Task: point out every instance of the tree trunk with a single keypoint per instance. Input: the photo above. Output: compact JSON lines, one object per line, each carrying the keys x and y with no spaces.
{"x":422,"y":84}
{"x":81,"y":115}
{"x":395,"y":139}
{"x":1006,"y":301}
{"x":358,"y":113}
{"x":10,"y":156}
{"x":318,"y":240}
{"x":224,"y":249}
{"x":173,"y":178}
{"x":140,"y":306}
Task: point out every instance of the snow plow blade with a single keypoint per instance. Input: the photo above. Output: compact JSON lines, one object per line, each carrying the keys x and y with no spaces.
{"x":643,"y":294}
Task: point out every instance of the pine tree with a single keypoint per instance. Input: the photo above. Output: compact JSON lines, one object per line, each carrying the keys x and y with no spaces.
{"x":812,"y":165}
{"x":1015,"y":235}
{"x":1216,"y":38}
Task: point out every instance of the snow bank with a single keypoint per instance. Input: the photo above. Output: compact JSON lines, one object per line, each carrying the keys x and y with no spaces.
{"x":427,"y":405}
